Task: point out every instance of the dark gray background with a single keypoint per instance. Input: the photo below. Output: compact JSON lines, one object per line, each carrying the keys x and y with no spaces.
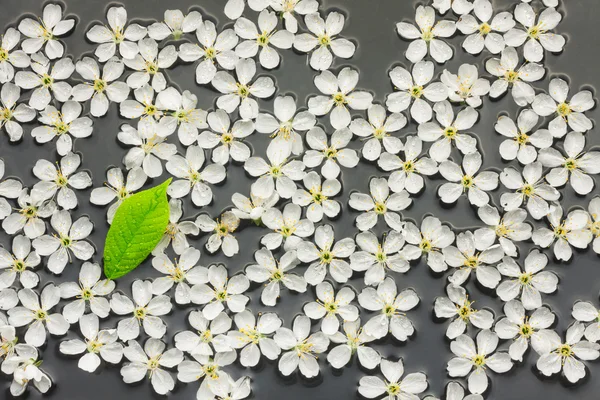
{"x":371,"y":24}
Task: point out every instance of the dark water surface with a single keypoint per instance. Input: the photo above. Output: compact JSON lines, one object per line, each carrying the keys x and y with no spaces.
{"x":371,"y":24}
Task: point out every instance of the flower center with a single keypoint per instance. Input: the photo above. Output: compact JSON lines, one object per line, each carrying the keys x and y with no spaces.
{"x":564,"y":350}
{"x":380,"y":133}
{"x":93,"y":346}
{"x":206,"y":336}
{"x":409,"y":166}
{"x":61,"y":128}
{"x":471,"y":262}
{"x":527,"y":190}
{"x":47,"y":80}
{"x":87,"y":294}
{"x":502,"y":230}
{"x":324,"y":40}
{"x":150,"y":109}
{"x":393,"y":389}
{"x":522,"y":138}
{"x":277,"y":275}
{"x":450,"y":132}
{"x":339,"y":99}
{"x":3,"y":54}
{"x":29,"y":212}
{"x":61,"y":180}
{"x":5,"y":114}
{"x":19,"y":266}
{"x":41,"y":315}
{"x":99,"y":85}
{"x":227,"y":138}
{"x":221,"y":295}
{"x":178,"y":275}
{"x":570,"y":164}
{"x":525,"y":279}
{"x":427,"y":35}
{"x":302,"y":348}
{"x":287,"y":231}
{"x":151,"y":67}
{"x":222,"y":229}
{"x":123,"y":193}
{"x":275,"y":171}
{"x":330,"y":152}
{"x":331,"y":307}
{"x":485,"y":28}
{"x":511,"y":76}
{"x":380,"y":208}
{"x":479,"y":360}
{"x":595,"y":228}
{"x":389,"y":310}
{"x":380,"y":256}
{"x":285,"y":130}
{"x":525,"y":330}
{"x":153,"y":363}
{"x":465,"y":310}
{"x":425,"y":245}
{"x":564,"y":110}
{"x":325,"y":256}
{"x":534,"y":32}
{"x":65,"y":241}
{"x":140,"y":313}
{"x":416,"y":91}
{"x":263,"y":39}
{"x":467,"y":181}
{"x":118,"y":36}
{"x":210,"y":53}
{"x":211,"y":370}
{"x":242,"y":90}
{"x":317,"y":196}
{"x":560,"y":231}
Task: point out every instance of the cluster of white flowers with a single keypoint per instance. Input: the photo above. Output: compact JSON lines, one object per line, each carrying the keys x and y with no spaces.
{"x":296,"y":195}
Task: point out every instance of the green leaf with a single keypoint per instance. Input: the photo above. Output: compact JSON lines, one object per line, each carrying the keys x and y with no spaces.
{"x":137,"y":227}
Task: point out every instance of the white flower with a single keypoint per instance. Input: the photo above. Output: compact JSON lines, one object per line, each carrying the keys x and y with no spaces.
{"x":12,"y":57}
{"x":183,"y":273}
{"x":235,"y":8}
{"x":207,"y":335}
{"x":535,"y":36}
{"x":376,"y":258}
{"x":378,"y":130}
{"x":572,"y":231}
{"x":466,"y":179}
{"x":119,"y":188}
{"x":60,"y":179}
{"x":175,"y":25}
{"x":149,"y":148}
{"x":224,"y":139}
{"x":566,"y":113}
{"x":290,"y":7}
{"x":143,"y":106}
{"x":24,"y":367}
{"x":288,"y":227}
{"x":252,"y":336}
{"x":277,"y":176}
{"x":89,"y":290}
{"x":300,"y":348}
{"x":149,"y":64}
{"x":145,"y":309}
{"x":459,"y":7}
{"x":221,"y":290}
{"x":64,"y":125}
{"x":339,"y":96}
{"x":380,"y":202}
{"x":267,"y":269}
{"x":458,"y":307}
{"x":17,"y":264}
{"x":454,"y":391}
{"x":413,"y":88}
{"x":284,"y":125}
{"x":69,"y":239}
{"x":332,"y":154}
{"x":533,"y":190}
{"x":475,"y":362}
{"x":149,"y":360}
{"x":431,"y":239}
{"x":11,"y":112}
{"x":594,"y":223}
{"x":575,"y":167}
{"x":522,"y":328}
{"x":240,"y":92}
{"x":323,"y":36}
{"x":99,"y":344}
{"x":102,"y":87}
{"x":484,"y":31}
{"x":466,"y":86}
{"x":508,"y":228}
{"x":263,"y":38}
{"x":584,"y":311}
{"x":8,"y":337}
{"x":327,"y":254}
{"x":28,"y":216}
{"x":392,"y":307}
{"x":317,"y":197}
{"x":556,"y":355}
{"x":176,"y":233}
{"x":448,"y":131}
{"x":235,"y":390}
{"x":528,"y":283}
{"x":116,"y":34}
{"x":352,"y":341}
{"x":465,"y":258}
{"x":509,"y":75}
{"x":46,"y":31}
{"x":329,"y":305}
{"x":222,"y":236}
{"x":253,"y":207}
{"x":407,"y":172}
{"x":9,"y":189}
{"x":191,"y":178}
{"x":45,"y":80}
{"x":38,"y":317}
{"x":212,"y":48}
{"x":424,"y":39}
{"x":215,"y":381}
{"x":393,"y":387}
{"x":522,"y":145}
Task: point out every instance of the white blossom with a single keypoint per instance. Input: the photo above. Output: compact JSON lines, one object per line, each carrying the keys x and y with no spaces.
{"x":288,"y":227}
{"x":484,"y":29}
{"x":431,"y":239}
{"x":252,"y":337}
{"x":175,"y":25}
{"x":222,"y":233}
{"x":182,"y":112}
{"x":220,"y":290}
{"x":317,"y":197}
{"x":177,"y":231}
{"x":458,"y":307}
{"x":395,"y":387}
{"x":352,"y":341}
{"x":149,"y":63}
{"x":379,"y":131}
{"x":288,"y":9}
{"x":12,"y":112}
{"x":225,"y":139}
{"x":183,"y":273}
{"x":45,"y":32}
{"x":23,"y":366}
{"x":522,"y":144}
{"x":29,"y":215}
{"x":329,"y":305}
{"x":466,"y":86}
{"x":12,"y":57}
{"x":19,"y":263}
{"x":119,"y":188}
{"x":584,"y":311}
{"x":508,"y":228}
{"x":207,"y":338}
